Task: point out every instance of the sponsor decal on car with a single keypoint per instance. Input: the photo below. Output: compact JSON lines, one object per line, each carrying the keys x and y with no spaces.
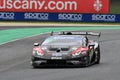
{"x":55,"y":57}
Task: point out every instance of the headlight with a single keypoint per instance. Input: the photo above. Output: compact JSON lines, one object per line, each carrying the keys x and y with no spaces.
{"x":76,"y":54}
{"x":83,"y":53}
{"x":37,"y":53}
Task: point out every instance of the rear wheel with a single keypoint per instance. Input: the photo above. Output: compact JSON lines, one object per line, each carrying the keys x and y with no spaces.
{"x":97,"y":52}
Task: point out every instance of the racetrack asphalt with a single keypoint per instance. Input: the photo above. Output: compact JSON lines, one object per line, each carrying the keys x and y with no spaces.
{"x":15,"y":61}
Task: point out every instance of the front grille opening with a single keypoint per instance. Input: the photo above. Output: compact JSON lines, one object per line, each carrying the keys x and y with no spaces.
{"x":56,"y":62}
{"x":61,"y":49}
{"x":64,"y":49}
{"x":53,"y":49}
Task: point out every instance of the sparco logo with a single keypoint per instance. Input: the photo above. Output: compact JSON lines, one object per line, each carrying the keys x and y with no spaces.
{"x":97,"y":5}
{"x":73,"y":17}
{"x":99,"y":17}
{"x":6,"y":15}
{"x":38,"y":16}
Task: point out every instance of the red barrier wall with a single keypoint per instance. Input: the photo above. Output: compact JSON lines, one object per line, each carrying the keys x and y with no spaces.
{"x":65,"y":6}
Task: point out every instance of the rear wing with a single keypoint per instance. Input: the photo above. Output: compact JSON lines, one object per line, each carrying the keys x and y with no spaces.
{"x":76,"y":33}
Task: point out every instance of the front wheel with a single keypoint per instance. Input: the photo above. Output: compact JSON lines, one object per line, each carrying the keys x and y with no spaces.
{"x":88,"y":62}
{"x":34,"y":65}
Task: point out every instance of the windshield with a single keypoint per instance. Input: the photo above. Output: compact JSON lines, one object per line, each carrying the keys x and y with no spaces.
{"x":63,"y":40}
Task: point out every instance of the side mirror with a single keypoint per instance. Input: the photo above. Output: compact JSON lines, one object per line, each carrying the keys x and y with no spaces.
{"x":36,"y":44}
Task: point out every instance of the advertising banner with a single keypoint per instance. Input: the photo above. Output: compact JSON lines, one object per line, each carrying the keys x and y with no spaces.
{"x":55,"y":6}
{"x":58,"y":17}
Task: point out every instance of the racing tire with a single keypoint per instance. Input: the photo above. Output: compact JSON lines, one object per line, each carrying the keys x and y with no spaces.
{"x":88,"y":62}
{"x":98,"y":56}
{"x":34,"y":66}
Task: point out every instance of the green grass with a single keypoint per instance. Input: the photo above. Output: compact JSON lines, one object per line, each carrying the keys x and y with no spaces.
{"x":13,"y":34}
{"x":115,"y":8}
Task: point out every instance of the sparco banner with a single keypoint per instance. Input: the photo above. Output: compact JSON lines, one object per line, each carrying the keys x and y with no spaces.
{"x":64,"y":6}
{"x":56,"y":17}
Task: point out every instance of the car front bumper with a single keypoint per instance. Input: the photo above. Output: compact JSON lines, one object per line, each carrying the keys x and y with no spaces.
{"x":64,"y":62}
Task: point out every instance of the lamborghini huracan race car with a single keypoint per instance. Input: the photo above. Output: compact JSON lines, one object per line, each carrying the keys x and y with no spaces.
{"x":67,"y":48}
